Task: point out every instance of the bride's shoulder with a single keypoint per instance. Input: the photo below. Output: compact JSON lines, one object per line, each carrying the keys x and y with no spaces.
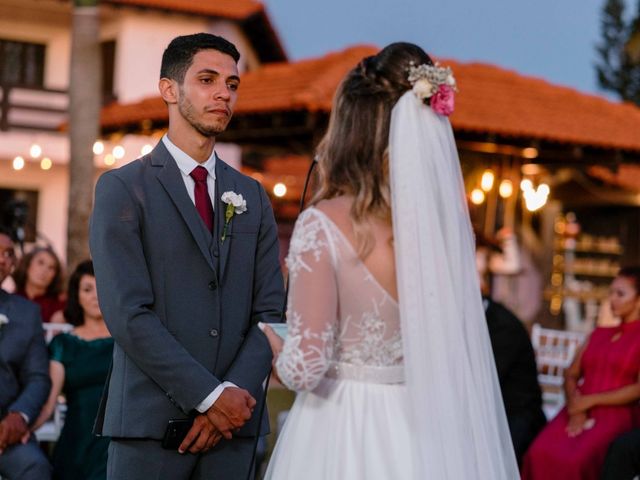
{"x":337,"y":210}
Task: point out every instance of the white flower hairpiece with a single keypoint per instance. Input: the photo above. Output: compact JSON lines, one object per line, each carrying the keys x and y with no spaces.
{"x":434,"y":85}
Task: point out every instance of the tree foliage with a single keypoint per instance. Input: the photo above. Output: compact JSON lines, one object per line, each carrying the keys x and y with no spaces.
{"x":618,"y":66}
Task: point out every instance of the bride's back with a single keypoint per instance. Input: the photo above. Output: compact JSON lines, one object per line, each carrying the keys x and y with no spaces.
{"x":368,"y":315}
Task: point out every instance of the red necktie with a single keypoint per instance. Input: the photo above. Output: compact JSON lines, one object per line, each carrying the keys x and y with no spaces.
{"x":203,"y":201}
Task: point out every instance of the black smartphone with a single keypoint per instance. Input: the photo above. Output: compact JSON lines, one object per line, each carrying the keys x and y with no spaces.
{"x":177,"y":429}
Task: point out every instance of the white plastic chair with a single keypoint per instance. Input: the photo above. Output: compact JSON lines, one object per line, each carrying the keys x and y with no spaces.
{"x":554,"y":351}
{"x":53,"y":329}
{"x":50,"y":430}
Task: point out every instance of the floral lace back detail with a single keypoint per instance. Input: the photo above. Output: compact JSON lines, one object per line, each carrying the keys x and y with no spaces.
{"x":338,"y":313}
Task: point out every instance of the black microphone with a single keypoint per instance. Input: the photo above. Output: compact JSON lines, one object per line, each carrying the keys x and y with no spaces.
{"x":283,"y":319}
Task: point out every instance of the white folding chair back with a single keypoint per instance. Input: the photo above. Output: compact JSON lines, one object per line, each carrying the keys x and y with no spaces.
{"x":53,"y":329}
{"x":554,"y":350}
{"x":50,"y":430}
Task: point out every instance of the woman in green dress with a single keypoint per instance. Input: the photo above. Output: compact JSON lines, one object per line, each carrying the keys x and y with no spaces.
{"x":79,"y":366}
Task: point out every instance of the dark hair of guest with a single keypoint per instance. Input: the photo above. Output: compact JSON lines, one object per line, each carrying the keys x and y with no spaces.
{"x":73,"y":312}
{"x":633,"y":274}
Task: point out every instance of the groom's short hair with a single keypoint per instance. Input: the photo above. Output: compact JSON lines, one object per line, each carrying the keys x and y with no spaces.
{"x":178,"y":56}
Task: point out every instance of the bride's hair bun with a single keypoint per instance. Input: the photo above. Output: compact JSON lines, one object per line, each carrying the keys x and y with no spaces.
{"x":372,"y":80}
{"x":386,"y":73}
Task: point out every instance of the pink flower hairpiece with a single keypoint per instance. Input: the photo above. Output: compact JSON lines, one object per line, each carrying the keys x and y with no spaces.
{"x":434,"y":86}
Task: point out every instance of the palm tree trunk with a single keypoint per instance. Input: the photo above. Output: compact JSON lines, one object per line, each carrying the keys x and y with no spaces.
{"x":85,"y":101}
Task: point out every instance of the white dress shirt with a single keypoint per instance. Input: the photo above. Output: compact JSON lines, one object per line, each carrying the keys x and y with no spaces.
{"x":186,"y":164}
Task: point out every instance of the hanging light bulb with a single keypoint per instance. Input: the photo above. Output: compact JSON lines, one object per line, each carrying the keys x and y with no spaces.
{"x":109,"y":160}
{"x":536,"y":199}
{"x":477,"y":196}
{"x":544,"y":189}
{"x":146,"y":149}
{"x":526,"y":185}
{"x":487,"y":180}
{"x":506,"y":188}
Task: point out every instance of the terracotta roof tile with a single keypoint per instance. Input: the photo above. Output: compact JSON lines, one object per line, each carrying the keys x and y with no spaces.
{"x":491,"y":100}
{"x":303,"y":85}
{"x":234,"y":9}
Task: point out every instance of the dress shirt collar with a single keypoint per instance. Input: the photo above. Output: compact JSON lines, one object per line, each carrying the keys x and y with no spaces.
{"x":185,"y":163}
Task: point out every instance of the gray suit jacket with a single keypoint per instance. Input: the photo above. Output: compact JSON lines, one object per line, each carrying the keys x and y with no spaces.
{"x":181,"y":304}
{"x":24,"y":361}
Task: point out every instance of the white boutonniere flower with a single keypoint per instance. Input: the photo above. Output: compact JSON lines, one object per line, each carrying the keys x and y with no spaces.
{"x":4,"y":320}
{"x":236,"y":205}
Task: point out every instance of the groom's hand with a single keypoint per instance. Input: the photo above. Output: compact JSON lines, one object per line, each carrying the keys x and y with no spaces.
{"x":231,"y":410}
{"x":201,"y":437}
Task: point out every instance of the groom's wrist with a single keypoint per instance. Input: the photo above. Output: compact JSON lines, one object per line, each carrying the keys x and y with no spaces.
{"x":210,"y":399}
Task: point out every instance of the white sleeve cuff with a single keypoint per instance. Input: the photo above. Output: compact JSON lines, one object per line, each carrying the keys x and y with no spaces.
{"x":206,"y":404}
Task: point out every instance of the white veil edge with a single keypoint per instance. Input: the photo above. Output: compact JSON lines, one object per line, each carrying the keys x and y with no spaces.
{"x":461,"y":426}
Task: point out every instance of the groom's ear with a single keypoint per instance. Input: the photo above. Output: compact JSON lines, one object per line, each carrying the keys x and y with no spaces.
{"x":168,"y":90}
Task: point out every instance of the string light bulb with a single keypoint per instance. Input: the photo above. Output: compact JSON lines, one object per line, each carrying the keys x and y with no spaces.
{"x":487,"y":180}
{"x":118,"y":152}
{"x":477,"y":196}
{"x":280,"y":189}
{"x":98,"y":148}
{"x":35,"y":151}
{"x":46,"y":163}
{"x":506,"y":188}
{"x":18,"y":163}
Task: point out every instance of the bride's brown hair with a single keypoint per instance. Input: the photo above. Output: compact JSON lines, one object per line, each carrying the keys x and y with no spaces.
{"x":353,"y":155}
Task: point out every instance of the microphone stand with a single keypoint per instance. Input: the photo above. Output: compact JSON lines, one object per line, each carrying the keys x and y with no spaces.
{"x":283,"y":319}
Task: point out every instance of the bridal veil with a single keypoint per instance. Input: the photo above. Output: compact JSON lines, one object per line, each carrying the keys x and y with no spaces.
{"x":450,"y":372}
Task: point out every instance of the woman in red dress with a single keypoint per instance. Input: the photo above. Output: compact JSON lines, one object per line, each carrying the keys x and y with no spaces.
{"x":602,"y":387}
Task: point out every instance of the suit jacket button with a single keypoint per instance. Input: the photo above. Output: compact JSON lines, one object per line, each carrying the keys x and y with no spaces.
{"x":213,"y":285}
{"x":213,"y":332}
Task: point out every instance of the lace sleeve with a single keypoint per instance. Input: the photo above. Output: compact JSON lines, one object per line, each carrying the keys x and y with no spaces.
{"x":312,"y":307}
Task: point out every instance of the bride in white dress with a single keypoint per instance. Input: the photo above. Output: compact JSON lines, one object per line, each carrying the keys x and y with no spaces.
{"x":387,"y":344}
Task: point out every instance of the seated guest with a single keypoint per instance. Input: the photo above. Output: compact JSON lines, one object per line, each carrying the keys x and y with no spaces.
{"x":602,"y":388}
{"x":518,"y":375}
{"x":24,"y":382}
{"x":623,"y":458}
{"x":79,"y":367}
{"x":512,"y":350}
{"x":38,"y":278}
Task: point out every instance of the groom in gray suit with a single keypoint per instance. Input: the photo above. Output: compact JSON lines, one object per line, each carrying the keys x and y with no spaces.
{"x":185,"y":250}
{"x":24,"y":378}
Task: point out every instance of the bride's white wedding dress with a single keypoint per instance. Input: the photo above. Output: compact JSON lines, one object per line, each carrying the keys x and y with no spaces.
{"x":343,"y":354}
{"x":374,"y":403}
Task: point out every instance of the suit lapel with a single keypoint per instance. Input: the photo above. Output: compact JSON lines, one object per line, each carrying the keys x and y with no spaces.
{"x":223,"y":184}
{"x":171,"y":179}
